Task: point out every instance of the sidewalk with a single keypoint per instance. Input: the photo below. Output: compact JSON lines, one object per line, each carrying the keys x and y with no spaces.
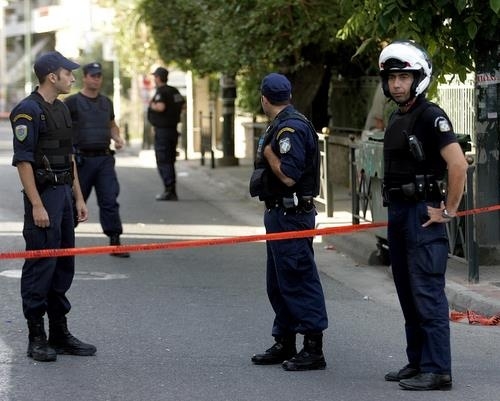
{"x":482,"y":298}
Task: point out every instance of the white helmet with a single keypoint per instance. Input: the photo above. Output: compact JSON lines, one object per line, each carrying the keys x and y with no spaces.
{"x":405,"y":56}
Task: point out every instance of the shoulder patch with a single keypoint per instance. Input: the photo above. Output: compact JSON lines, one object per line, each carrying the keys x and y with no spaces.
{"x":442,"y":124}
{"x":21,"y":132}
{"x":285,"y":145}
{"x":285,"y":129}
{"x":22,"y":115}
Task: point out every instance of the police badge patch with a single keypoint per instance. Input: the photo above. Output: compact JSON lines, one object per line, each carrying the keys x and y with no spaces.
{"x":21,"y":132}
{"x":442,"y":124}
{"x":285,"y":145}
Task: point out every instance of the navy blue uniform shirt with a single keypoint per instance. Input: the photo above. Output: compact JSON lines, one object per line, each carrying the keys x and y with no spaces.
{"x":27,"y":120}
{"x":295,"y":146}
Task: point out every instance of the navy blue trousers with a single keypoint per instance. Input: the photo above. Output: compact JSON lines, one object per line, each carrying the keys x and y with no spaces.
{"x":293,"y":285}
{"x":166,"y":153}
{"x":98,"y":172}
{"x":45,"y":281}
{"x":419,"y":258}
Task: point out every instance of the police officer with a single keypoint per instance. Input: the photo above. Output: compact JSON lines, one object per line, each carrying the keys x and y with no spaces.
{"x":164,"y":113}
{"x":420,"y":149}
{"x":43,"y":156}
{"x":286,"y":178}
{"x":93,"y":128}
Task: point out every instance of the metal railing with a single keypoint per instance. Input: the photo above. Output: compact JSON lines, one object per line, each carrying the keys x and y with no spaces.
{"x":325,"y":196}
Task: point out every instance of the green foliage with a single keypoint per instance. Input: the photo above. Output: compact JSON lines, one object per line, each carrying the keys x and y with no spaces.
{"x":253,"y":37}
{"x":135,"y":46}
{"x":450,"y":30}
{"x":300,"y":37}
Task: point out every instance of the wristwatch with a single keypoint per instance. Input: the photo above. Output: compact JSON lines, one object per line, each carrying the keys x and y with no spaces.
{"x":445,"y":215}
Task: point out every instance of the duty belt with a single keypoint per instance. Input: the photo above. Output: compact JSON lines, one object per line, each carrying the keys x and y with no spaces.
{"x":95,"y":152}
{"x":47,"y":178}
{"x":425,"y":188}
{"x":292,"y":203}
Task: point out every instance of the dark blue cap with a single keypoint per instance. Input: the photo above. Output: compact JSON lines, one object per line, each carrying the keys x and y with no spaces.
{"x":276,"y":87}
{"x":51,"y":62}
{"x":92,"y":68}
{"x":162,"y":73}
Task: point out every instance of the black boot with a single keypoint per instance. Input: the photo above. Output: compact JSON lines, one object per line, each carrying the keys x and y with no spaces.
{"x":284,"y":348}
{"x":64,"y":343}
{"x":114,"y":239}
{"x":38,"y":349}
{"x":168,"y":195}
{"x":310,"y":357}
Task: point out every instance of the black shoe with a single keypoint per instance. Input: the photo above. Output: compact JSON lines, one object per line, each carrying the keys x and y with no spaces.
{"x":283,"y":349}
{"x":305,"y":360}
{"x":311,"y":357}
{"x":40,"y":351}
{"x":38,"y":348}
{"x":167,"y":196}
{"x":114,"y":240}
{"x":64,"y":342}
{"x":426,"y":382}
{"x":406,"y":373}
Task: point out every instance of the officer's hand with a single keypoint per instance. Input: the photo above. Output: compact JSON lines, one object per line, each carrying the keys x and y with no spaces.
{"x":40,"y":216}
{"x":81,"y":208}
{"x":119,"y":143}
{"x":436,"y":215}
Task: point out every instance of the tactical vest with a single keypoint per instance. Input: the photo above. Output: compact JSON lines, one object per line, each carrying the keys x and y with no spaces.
{"x":400,"y":166}
{"x":310,"y":181}
{"x":92,"y":130}
{"x":55,"y":146}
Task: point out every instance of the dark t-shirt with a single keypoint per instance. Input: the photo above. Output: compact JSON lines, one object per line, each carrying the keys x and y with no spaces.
{"x":173,"y":101}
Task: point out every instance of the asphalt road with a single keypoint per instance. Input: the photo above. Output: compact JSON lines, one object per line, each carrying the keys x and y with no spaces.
{"x":181,"y":325}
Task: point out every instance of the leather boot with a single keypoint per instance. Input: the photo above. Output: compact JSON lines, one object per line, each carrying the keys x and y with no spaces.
{"x":310,"y":357}
{"x":38,"y":349}
{"x":283,"y":348}
{"x":169,"y":194}
{"x":64,"y":342}
{"x":114,"y":240}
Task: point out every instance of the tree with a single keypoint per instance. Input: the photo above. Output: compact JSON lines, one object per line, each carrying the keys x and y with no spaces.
{"x":251,"y":38}
{"x":454,"y":32}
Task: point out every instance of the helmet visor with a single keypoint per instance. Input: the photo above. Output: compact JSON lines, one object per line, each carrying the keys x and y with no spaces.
{"x":395,"y":64}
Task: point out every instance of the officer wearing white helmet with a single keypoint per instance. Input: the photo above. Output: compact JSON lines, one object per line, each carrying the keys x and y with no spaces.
{"x":424,"y":178}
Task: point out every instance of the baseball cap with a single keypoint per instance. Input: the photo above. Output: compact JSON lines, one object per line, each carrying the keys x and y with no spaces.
{"x":51,"y":62}
{"x":276,"y":87}
{"x":162,"y":73}
{"x":92,"y":68}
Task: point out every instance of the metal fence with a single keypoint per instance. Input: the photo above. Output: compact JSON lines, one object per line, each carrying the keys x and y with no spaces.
{"x":458,"y":100}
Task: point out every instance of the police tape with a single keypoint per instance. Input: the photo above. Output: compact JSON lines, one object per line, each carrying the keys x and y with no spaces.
{"x":474,"y":318}
{"x":51,"y":253}
{"x":478,"y":210}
